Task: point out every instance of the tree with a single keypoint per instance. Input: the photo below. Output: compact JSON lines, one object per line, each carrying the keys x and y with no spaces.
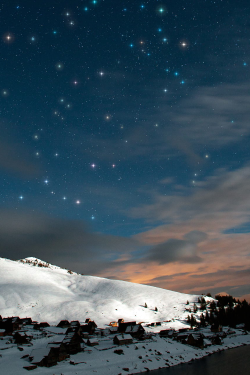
{"x":145,"y":305}
{"x":156,"y":309}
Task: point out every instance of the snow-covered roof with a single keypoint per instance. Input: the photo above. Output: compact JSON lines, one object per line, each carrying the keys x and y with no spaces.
{"x":38,"y":354}
{"x":124,"y":337}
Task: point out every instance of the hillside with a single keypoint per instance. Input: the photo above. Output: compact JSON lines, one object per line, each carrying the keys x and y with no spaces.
{"x":36,"y":289}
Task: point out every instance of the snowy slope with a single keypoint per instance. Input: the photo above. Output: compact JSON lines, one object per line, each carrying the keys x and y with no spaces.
{"x":48,"y":293}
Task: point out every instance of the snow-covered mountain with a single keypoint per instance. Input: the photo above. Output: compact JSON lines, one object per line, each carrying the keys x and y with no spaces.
{"x":36,"y":289}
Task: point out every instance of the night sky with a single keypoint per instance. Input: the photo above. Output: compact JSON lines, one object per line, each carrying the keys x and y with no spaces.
{"x":124,"y":139}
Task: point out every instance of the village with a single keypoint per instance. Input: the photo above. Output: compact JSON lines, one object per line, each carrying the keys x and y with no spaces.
{"x":74,"y":343}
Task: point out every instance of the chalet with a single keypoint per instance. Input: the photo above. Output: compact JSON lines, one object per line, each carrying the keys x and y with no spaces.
{"x":195,"y":339}
{"x":2,"y":332}
{"x":59,"y":350}
{"x":123,"y":339}
{"x":22,"y":338}
{"x":123,"y":325}
{"x":136,"y":330}
{"x":89,"y":327}
{"x":11,"y":324}
{"x":167,"y":333}
{"x":182,"y":337}
{"x":113,"y":330}
{"x":74,"y":329}
{"x":216,"y":328}
{"x":87,"y":320}
{"x":72,"y":341}
{"x":63,"y":324}
{"x":120,"y":321}
{"x":38,"y":326}
{"x":26,"y":321}
{"x":92,"y":342}
{"x":75,"y":323}
{"x":44,"y":357}
{"x":216,"y":340}
{"x":113,"y":324}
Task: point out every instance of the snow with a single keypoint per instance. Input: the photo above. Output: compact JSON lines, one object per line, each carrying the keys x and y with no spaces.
{"x":52,"y":294}
{"x":49,"y":293}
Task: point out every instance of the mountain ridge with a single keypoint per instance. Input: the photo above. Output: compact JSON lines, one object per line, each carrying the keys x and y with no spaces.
{"x":49,"y":293}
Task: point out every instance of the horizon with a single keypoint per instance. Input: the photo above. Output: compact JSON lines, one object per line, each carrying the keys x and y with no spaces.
{"x":124,"y":140}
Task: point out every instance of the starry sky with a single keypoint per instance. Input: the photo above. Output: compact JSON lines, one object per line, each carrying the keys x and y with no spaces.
{"x":124,"y":139}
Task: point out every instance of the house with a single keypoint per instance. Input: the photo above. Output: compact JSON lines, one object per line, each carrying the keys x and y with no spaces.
{"x":38,"y":326}
{"x":123,"y":339}
{"x":135,"y":330}
{"x":113,"y":324}
{"x":92,"y":342}
{"x":72,"y":341}
{"x":89,"y":327}
{"x":2,"y":332}
{"x":113,"y":330}
{"x":216,"y":340}
{"x":63,"y":324}
{"x":216,"y":327}
{"x":44,"y":357}
{"x":182,"y":337}
{"x":167,"y":333}
{"x":59,"y":350}
{"x":75,"y":323}
{"x":11,"y":324}
{"x":26,"y":321}
{"x":195,"y":339}
{"x":120,"y":321}
{"x":123,"y":325}
{"x":22,"y":338}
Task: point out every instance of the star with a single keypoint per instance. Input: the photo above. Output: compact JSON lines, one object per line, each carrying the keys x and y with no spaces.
{"x":113,"y":165}
{"x":93,"y":165}
{"x":161,"y":10}
{"x":182,"y":82}
{"x":56,"y":154}
{"x":75,"y":83}
{"x":59,"y":66}
{"x":206,"y":156}
{"x":8,"y":38}
{"x":64,"y":198}
{"x":46,"y":182}
{"x":21,"y":197}
{"x":78,"y":202}
{"x":33,"y":39}
{"x":164,"y":40}
{"x":165,"y":90}
{"x":176,"y":74}
{"x":101,"y":74}
{"x":92,"y":217}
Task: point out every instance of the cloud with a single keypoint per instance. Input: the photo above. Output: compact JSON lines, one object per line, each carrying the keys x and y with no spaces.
{"x":67,"y":243}
{"x":223,"y":197}
{"x":173,"y":250}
